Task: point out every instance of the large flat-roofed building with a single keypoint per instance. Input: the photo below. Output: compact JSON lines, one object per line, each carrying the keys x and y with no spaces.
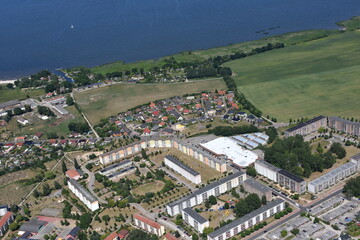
{"x":149,"y":225}
{"x":87,"y":198}
{"x":281,"y":176}
{"x":199,"y":196}
{"x":253,"y":186}
{"x":229,"y":147}
{"x":307,"y":127}
{"x":9,"y":105}
{"x":266,"y":169}
{"x":291,"y":181}
{"x":186,"y":147}
{"x":247,"y":221}
{"x":194,"y":219}
{"x":252,"y":140}
{"x":343,"y":125}
{"x":115,"y":167}
{"x":334,"y":176}
{"x":182,"y":169}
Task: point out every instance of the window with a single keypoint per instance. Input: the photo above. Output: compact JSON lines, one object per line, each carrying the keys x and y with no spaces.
{"x":240,"y":179}
{"x":250,"y":222}
{"x":228,"y":234}
{"x":243,"y":227}
{"x":220,"y":237}
{"x":271,"y":211}
{"x":217,"y":191}
{"x":278,"y":209}
{"x":186,"y":217}
{"x":188,"y":203}
{"x":228,"y":185}
{"x":257,"y":219}
{"x":196,"y":225}
{"x":236,"y":230}
{"x":204,"y":196}
{"x":264,"y":215}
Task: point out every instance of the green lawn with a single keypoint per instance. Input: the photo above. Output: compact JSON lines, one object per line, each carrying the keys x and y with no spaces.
{"x":304,"y":80}
{"x":108,"y":101}
{"x":13,"y":94}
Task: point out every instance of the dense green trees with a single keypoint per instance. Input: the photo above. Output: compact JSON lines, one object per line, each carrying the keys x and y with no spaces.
{"x":247,"y":205}
{"x":352,"y":187}
{"x":338,"y":150}
{"x":251,"y":171}
{"x":138,"y":234}
{"x":272,"y":133}
{"x":79,"y":127}
{"x":230,"y":131}
{"x":43,"y":110}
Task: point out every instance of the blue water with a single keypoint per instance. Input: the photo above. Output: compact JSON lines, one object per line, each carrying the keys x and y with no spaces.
{"x":36,"y":34}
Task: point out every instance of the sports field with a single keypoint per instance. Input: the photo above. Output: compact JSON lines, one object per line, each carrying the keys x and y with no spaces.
{"x":304,"y":80}
{"x":108,"y":101}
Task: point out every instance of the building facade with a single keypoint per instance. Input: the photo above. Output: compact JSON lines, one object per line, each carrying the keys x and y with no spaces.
{"x":115,"y":167}
{"x":199,"y":196}
{"x":194,"y":219}
{"x":267,"y":170}
{"x":307,"y":127}
{"x":5,"y":221}
{"x":167,"y":142}
{"x":149,"y":225}
{"x":343,"y":125}
{"x":187,"y":172}
{"x":87,"y":198}
{"x":247,"y":221}
{"x":291,"y":181}
{"x":335,"y":176}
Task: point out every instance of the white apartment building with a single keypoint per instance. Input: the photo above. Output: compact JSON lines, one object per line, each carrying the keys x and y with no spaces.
{"x":148,"y":225}
{"x":87,"y":198}
{"x":216,"y":188}
{"x":247,"y":221}
{"x":187,"y":172}
{"x":194,"y":219}
{"x":266,"y":169}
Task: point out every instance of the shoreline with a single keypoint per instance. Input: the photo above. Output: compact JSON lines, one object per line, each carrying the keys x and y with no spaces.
{"x":5,"y":81}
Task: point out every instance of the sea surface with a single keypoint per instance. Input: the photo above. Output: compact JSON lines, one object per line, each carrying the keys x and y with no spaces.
{"x":50,"y":34}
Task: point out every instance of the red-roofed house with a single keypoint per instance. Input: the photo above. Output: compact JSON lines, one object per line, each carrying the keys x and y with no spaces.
{"x":169,"y":109}
{"x":149,"y":120}
{"x":235,"y":106}
{"x":198,"y":105}
{"x":221,"y":92}
{"x":20,"y":139}
{"x":179,"y":108}
{"x":164,"y":118}
{"x":123,"y":233}
{"x":5,"y":221}
{"x":113,"y":236}
{"x":152,"y":105}
{"x":156,"y":113}
{"x":38,"y":135}
{"x":186,"y":111}
{"x":147,"y":131}
{"x":162,"y":124}
{"x":168,"y":236}
{"x":149,"y":225}
{"x":73,"y":174}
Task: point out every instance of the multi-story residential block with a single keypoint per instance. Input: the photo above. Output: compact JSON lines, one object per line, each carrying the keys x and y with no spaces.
{"x":253,"y":186}
{"x":149,"y":225}
{"x":335,"y":176}
{"x":199,"y":196}
{"x":217,"y":163}
{"x":247,"y":221}
{"x":266,"y":169}
{"x":182,"y":169}
{"x":115,"y":167}
{"x":291,"y":181}
{"x":194,"y":219}
{"x":5,"y":221}
{"x":281,"y":176}
{"x":343,"y":125}
{"x":307,"y":127}
{"x":87,"y":198}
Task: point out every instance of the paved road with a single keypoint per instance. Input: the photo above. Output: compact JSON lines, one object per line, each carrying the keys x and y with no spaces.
{"x":276,"y":224}
{"x":167,"y":224}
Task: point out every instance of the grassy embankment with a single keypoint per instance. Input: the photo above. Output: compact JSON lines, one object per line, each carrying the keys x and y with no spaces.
{"x":304,"y":80}
{"x":107,"y":101}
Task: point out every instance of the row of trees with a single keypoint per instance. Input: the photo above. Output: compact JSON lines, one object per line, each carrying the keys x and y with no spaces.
{"x":352,"y":187}
{"x":230,"y":131}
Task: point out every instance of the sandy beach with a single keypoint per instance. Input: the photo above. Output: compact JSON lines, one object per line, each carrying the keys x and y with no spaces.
{"x":7,"y":81}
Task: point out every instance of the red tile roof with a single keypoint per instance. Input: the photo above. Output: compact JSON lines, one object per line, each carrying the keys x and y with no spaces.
{"x":221,"y":92}
{"x":72,"y":173}
{"x":111,"y":236}
{"x":168,"y":236}
{"x":146,"y":130}
{"x":147,"y":221}
{"x":123,"y":233}
{"x":5,"y":218}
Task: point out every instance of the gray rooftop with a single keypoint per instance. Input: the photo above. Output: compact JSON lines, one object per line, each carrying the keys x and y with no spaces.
{"x":245,"y":218}
{"x":268,"y":165}
{"x":207,"y":188}
{"x":332,"y":173}
{"x":255,"y":184}
{"x":356,"y":157}
{"x":334,"y":118}
{"x":34,"y":226}
{"x":83,"y":191}
{"x":182,"y":165}
{"x":9,"y":103}
{"x":200,"y":219}
{"x":116,"y":165}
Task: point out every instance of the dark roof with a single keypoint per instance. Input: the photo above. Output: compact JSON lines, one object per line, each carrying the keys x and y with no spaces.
{"x":74,"y":232}
{"x":116,"y":165}
{"x":333,"y":118}
{"x":291,"y":176}
{"x":9,"y":103}
{"x":120,"y":172}
{"x":182,"y":165}
{"x":356,"y":157}
{"x":33,"y":226}
{"x":207,"y":188}
{"x":200,"y":219}
{"x":305,"y":123}
{"x":255,"y":184}
{"x":83,"y":191}
{"x":245,"y":218}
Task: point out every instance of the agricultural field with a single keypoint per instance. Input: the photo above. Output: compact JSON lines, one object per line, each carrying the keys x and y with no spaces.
{"x":307,"y":79}
{"x":108,"y":101}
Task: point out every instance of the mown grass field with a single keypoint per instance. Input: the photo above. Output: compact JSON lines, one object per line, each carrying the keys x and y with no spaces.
{"x":13,"y":94}
{"x":288,"y":38}
{"x":108,"y":101}
{"x":304,"y":80}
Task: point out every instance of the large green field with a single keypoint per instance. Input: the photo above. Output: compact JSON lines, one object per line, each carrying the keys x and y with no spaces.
{"x":304,"y":80}
{"x":13,"y":94}
{"x":108,"y":101}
